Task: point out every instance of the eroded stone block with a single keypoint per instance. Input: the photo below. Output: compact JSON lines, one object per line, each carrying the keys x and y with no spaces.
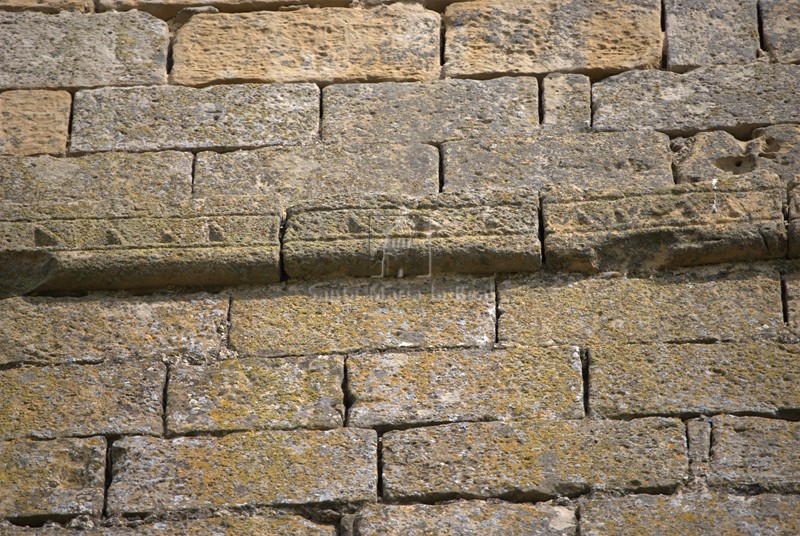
{"x":34,"y":122}
{"x":780,"y":20}
{"x":48,"y":6}
{"x":567,"y":102}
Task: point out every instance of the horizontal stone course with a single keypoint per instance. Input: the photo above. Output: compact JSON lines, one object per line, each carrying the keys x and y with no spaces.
{"x":533,"y":460}
{"x":34,"y":122}
{"x":254,"y":468}
{"x":74,"y":50}
{"x":395,"y":42}
{"x":779,"y":22}
{"x":48,"y":6}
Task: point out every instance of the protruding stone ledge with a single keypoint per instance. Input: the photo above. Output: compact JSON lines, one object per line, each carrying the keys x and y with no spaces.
{"x":387,"y":236}
{"x":683,"y":225}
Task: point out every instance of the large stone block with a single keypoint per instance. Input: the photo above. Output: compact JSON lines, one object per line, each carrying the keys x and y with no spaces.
{"x":602,"y":161}
{"x":567,"y":102}
{"x":301,"y":173}
{"x":398,"y":390}
{"x":735,"y":98}
{"x":384,"y":236}
{"x":242,"y":394}
{"x":705,"y":306}
{"x":100,"y":328}
{"x":432,"y":112}
{"x":48,"y":6}
{"x":58,"y":478}
{"x":352,"y":315}
{"x":780,"y":19}
{"x":218,"y":117}
{"x":629,"y":380}
{"x":256,"y":468}
{"x":739,"y":219}
{"x":491,"y":37}
{"x":73,"y":50}
{"x":396,"y":42}
{"x":167,"y":9}
{"x":34,"y":122}
{"x":533,"y":460}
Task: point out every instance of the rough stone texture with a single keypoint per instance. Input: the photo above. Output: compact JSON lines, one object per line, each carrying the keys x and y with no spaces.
{"x":603,"y":160}
{"x":82,"y":400}
{"x":254,"y":468}
{"x":432,"y":112}
{"x":96,"y":177}
{"x":735,"y":219}
{"x":97,"y":328}
{"x":301,"y":173}
{"x":402,"y":389}
{"x":793,"y":301}
{"x":219,"y":117}
{"x":352,"y":315}
{"x":73,"y":50}
{"x":698,"y":437}
{"x":379,"y":235}
{"x":705,"y":306}
{"x":62,"y":477}
{"x":34,"y":122}
{"x":567,"y":102}
{"x":166,"y":9}
{"x":489,"y":37}
{"x":532,"y":460}
{"x":680,"y":379}
{"x":48,"y":6}
{"x":695,"y":513}
{"x":735,"y":98}
{"x":242,"y":394}
{"x":754,"y":454}
{"x":140,"y":244}
{"x":777,"y":148}
{"x":465,"y":517}
{"x":396,"y":42}
{"x":780,"y":20}
{"x":711,"y":33}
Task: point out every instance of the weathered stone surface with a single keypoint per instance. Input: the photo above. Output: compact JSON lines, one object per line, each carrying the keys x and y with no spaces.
{"x":380,"y":235}
{"x":218,"y":117}
{"x":532,"y":460}
{"x":242,"y":394}
{"x":48,"y":6}
{"x":96,"y":177}
{"x":432,"y":112}
{"x":593,"y":161}
{"x":767,"y":515}
{"x":73,"y":50}
{"x":703,"y":306}
{"x":731,"y":97}
{"x":698,"y":437}
{"x":97,"y":328}
{"x":62,"y":477}
{"x":301,"y":173}
{"x":780,"y":19}
{"x":140,"y":243}
{"x":82,"y":400}
{"x":567,"y":102}
{"x":402,"y":389}
{"x":347,"y":316}
{"x":465,"y":517}
{"x":34,"y":122}
{"x":166,"y":9}
{"x":396,"y":42}
{"x":778,"y":149}
{"x":793,"y":301}
{"x":755,"y":454}
{"x":682,"y":225}
{"x":710,"y":33}
{"x":680,"y":379}
{"x":489,"y":37}
{"x":254,"y":468}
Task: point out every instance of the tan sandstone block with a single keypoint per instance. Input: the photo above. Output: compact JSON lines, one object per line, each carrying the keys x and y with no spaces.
{"x":407,"y":389}
{"x":332,"y":45}
{"x":242,"y":394}
{"x":533,"y":460}
{"x":567,"y":102}
{"x":681,"y":379}
{"x":62,"y":477}
{"x":738,"y":219}
{"x":352,"y":315}
{"x":491,"y":37}
{"x":82,"y":400}
{"x":100,"y":328}
{"x":74,"y":50}
{"x":48,"y":6}
{"x":700,"y":306}
{"x":256,"y":468}
{"x":387,"y":236}
{"x":780,"y":19}
{"x":34,"y":122}
{"x":167,"y":9}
